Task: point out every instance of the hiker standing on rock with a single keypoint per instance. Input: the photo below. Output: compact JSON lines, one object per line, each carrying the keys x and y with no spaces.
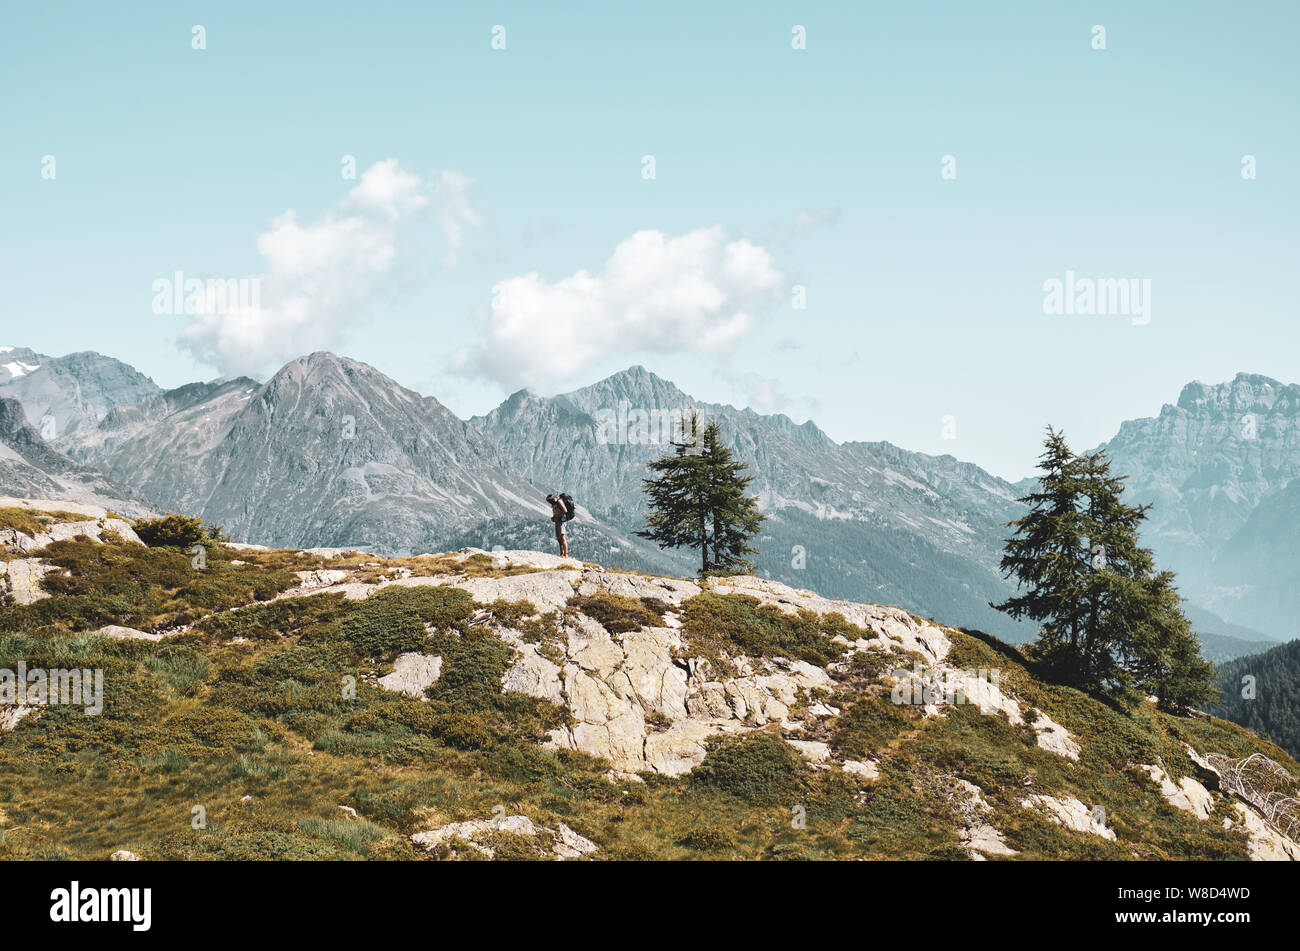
{"x":561,"y":512}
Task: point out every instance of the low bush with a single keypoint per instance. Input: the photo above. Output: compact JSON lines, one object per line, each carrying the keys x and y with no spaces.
{"x":759,"y":768}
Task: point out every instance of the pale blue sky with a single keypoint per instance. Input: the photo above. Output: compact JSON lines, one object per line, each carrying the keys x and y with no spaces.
{"x":924,"y":296}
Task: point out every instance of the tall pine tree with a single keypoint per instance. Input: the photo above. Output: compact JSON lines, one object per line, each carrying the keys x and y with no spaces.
{"x":699,"y":499}
{"x":1047,"y":558}
{"x":733,"y":512}
{"x":1108,"y":620}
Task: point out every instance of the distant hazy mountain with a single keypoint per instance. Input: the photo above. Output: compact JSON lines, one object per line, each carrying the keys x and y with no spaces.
{"x":1222,"y":640}
{"x":64,"y":395}
{"x":1218,"y":467}
{"x":31,"y":469}
{"x":1257,"y":571}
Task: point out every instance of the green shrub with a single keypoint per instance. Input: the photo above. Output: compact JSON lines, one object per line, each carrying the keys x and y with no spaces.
{"x":392,"y":620}
{"x":464,"y":731}
{"x":760,"y":768}
{"x":177,"y":531}
{"x":708,"y":839}
{"x":739,"y":624}
{"x":617,"y":613}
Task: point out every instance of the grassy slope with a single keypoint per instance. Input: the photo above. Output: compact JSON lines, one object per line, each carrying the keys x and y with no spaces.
{"x":250,"y":703}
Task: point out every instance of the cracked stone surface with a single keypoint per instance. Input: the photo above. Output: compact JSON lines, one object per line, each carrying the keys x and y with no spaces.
{"x":1071,"y":813}
{"x":412,"y":673}
{"x":611,"y":683}
{"x":1265,"y":844}
{"x":976,"y":834}
{"x":21,"y":579}
{"x":1187,"y":794}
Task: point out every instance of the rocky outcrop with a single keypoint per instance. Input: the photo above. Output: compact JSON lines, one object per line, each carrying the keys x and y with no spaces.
{"x":412,"y":674}
{"x":1071,"y":813}
{"x":547,"y":590}
{"x":127,"y":633}
{"x":976,"y":834}
{"x":1264,"y":843}
{"x":1055,"y":738}
{"x":1187,"y":794}
{"x":20,"y":579}
{"x":613,"y":683}
{"x":560,"y":842}
{"x":866,"y":770}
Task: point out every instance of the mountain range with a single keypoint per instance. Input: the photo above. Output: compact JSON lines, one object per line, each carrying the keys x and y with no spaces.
{"x":331,"y":452}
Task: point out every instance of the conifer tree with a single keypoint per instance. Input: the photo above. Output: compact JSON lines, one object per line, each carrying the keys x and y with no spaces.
{"x":1046,"y":557}
{"x":733,"y":512}
{"x":698,"y":499}
{"x":1109,"y":621}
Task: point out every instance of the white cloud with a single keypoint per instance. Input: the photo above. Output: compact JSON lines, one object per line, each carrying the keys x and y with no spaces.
{"x":697,"y":292}
{"x":323,"y":276}
{"x":386,"y":189}
{"x":456,"y":211}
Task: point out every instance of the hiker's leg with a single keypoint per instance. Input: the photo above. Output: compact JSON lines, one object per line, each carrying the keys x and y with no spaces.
{"x":559,"y":536}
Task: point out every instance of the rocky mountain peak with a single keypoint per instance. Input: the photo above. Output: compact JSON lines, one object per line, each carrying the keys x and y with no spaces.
{"x":635,"y":386}
{"x":1245,"y":393}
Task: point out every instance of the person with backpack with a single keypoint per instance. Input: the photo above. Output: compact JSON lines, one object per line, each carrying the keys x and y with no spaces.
{"x":561,"y":512}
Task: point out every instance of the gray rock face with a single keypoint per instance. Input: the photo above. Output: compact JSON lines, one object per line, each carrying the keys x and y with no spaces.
{"x":1207,"y":464}
{"x":71,"y":393}
{"x":412,"y":673}
{"x":613,"y":682}
{"x":30,"y":468}
{"x":641,"y":701}
{"x":329,"y":452}
{"x":20,"y":579}
{"x":1186,"y":794}
{"x":1071,"y":813}
{"x":547,"y":590}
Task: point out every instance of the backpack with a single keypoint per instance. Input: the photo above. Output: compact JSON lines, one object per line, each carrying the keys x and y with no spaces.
{"x":568,"y":505}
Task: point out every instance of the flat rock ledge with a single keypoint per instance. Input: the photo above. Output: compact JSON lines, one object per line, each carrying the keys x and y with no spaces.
{"x":559,"y":843}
